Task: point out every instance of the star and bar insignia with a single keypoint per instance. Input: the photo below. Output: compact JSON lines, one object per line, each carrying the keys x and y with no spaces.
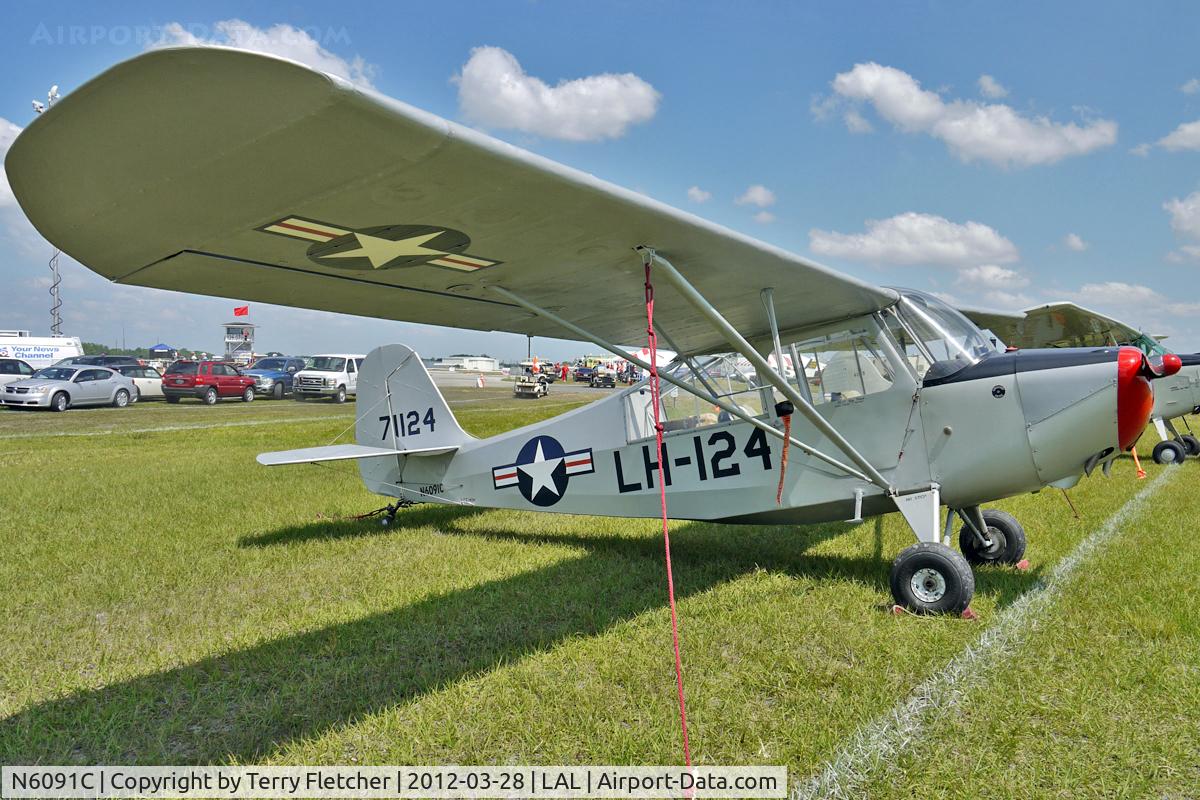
{"x":380,"y":247}
{"x":542,"y":470}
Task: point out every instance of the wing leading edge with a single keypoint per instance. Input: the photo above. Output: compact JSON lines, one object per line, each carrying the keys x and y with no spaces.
{"x":242,"y":175}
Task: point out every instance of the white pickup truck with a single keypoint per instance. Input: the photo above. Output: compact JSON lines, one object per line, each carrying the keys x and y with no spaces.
{"x":333,"y":375}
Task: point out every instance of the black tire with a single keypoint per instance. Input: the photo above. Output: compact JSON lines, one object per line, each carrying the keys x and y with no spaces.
{"x":120,"y":399}
{"x":1007,"y":537}
{"x":1169,"y":452}
{"x":1191,"y":444}
{"x":171,"y":399}
{"x":248,"y":395}
{"x":137,"y":395}
{"x":930,"y":578}
{"x":277,"y":392}
{"x":210,"y":397}
{"x":340,"y":397}
{"x":60,"y":401}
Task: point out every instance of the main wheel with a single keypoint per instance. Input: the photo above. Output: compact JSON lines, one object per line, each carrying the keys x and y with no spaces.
{"x":1006,"y":537}
{"x":248,"y":395}
{"x":60,"y":402}
{"x":340,"y":397}
{"x":1191,"y":444}
{"x":210,"y":397}
{"x":121,"y":398}
{"x":277,"y":392}
{"x":930,"y":578}
{"x":1169,"y":452}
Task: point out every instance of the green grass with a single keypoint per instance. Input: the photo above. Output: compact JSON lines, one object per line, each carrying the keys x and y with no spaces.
{"x":167,"y":600}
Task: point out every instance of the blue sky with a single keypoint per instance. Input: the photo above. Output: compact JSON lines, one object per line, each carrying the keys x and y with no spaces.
{"x":862,"y":135}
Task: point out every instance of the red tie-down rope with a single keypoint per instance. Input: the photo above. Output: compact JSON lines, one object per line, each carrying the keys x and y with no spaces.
{"x":787,"y":439}
{"x":662,"y":492}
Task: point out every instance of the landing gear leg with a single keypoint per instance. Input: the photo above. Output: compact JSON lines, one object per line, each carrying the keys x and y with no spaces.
{"x":389,"y":513}
{"x":929,"y":577}
{"x":1191,"y":445}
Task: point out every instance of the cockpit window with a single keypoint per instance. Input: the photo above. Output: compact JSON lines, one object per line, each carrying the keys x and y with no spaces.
{"x":931,"y":332}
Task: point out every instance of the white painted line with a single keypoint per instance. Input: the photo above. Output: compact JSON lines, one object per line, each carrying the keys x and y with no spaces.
{"x":875,"y":744}
{"x":166,"y":428}
{"x":208,"y":426}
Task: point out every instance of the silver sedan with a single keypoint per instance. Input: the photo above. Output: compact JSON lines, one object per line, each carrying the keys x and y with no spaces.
{"x":59,"y":388}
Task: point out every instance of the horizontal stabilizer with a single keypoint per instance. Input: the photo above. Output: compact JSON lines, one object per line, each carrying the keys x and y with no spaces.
{"x":342,"y":452}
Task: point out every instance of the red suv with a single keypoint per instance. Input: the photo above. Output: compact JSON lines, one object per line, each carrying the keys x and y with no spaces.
{"x":207,"y":381}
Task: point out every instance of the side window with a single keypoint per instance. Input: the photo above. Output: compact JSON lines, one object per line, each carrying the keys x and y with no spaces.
{"x":222,"y":370}
{"x":8,"y":368}
{"x":844,"y":365}
{"x":151,"y":372}
{"x":359,"y":362}
{"x":351,"y":366}
{"x":728,"y":376}
{"x":24,"y":368}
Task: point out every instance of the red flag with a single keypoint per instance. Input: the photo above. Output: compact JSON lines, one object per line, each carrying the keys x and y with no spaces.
{"x":241,"y":311}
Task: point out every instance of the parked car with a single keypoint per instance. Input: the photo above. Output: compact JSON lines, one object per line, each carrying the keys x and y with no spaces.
{"x":208,"y":381}
{"x":603,"y":377}
{"x":60,"y":388}
{"x":583,"y":373}
{"x":148,"y":381}
{"x":333,"y":375}
{"x":273,"y":376}
{"x":13,"y":369}
{"x":99,"y":361}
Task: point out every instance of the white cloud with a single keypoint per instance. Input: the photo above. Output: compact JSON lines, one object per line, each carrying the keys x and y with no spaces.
{"x":495,"y":92}
{"x":1185,"y":215}
{"x":764,"y":217}
{"x":698,"y":195}
{"x":991,"y":276}
{"x":1007,"y":300}
{"x":971,"y":130}
{"x":8,"y":134}
{"x":280,"y":40}
{"x":756,"y":195}
{"x":1185,"y":137}
{"x":1136,"y":300}
{"x":1073,"y":241}
{"x":1191,"y":87}
{"x":15,"y":229}
{"x":1141,"y":150}
{"x":856,"y":122}
{"x":1186,"y":253}
{"x":990,"y":87}
{"x":913,"y":238}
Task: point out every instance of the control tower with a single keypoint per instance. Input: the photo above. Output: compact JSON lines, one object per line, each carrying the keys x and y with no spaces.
{"x":239,"y":341}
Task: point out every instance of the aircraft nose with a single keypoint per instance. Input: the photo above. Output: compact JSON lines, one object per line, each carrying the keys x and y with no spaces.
{"x":1135,"y":395}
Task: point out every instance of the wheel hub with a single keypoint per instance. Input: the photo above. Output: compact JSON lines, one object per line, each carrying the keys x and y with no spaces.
{"x":928,"y":585}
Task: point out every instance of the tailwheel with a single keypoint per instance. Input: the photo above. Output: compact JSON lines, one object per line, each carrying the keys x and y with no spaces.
{"x":1004,"y":541}
{"x":931,"y":578}
{"x":1169,"y":452}
{"x":1190,"y":443}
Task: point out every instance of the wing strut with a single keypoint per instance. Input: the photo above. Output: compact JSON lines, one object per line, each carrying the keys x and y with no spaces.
{"x":738,"y":343}
{"x":669,"y":378}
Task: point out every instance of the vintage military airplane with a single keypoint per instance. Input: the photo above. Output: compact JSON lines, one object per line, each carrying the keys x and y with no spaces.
{"x":241,"y":175}
{"x":1065,"y":324}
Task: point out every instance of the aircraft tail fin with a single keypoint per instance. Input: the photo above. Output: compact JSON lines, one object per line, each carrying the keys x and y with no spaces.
{"x":399,"y":407}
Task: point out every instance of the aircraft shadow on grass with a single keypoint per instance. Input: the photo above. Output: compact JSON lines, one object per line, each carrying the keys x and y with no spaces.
{"x":246,"y":704}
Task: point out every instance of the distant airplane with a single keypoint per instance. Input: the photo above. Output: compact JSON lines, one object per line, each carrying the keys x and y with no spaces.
{"x":242,"y":175}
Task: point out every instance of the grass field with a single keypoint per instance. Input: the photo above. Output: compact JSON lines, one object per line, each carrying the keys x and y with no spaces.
{"x":166,"y":600}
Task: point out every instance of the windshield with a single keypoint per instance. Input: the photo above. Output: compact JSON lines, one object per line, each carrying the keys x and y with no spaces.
{"x":328,"y":364}
{"x":55,"y":373}
{"x":1149,"y":345}
{"x":931,"y":332}
{"x":275,"y":364}
{"x":183,"y":368}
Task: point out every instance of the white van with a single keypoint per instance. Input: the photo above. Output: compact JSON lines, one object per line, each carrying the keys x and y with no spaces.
{"x":333,"y":375}
{"x":37,"y":351}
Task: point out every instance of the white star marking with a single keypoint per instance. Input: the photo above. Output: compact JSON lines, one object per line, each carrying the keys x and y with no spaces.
{"x":383,"y":251}
{"x":540,"y":472}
